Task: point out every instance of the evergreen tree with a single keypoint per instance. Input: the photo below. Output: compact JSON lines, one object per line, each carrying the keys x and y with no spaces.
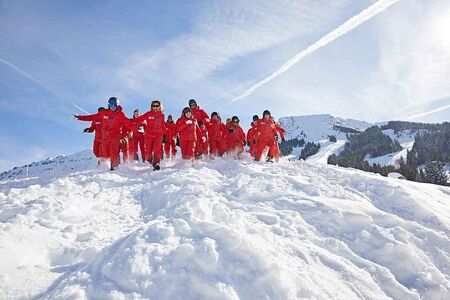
{"x":434,"y":173}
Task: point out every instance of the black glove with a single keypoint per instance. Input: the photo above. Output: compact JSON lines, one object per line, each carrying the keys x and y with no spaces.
{"x":86,"y":130}
{"x":164,"y":139}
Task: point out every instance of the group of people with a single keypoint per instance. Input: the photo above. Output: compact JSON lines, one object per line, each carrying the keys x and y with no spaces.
{"x":195,"y":132}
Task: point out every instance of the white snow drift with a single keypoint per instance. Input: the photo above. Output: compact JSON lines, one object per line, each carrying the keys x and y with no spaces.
{"x":223,"y":229}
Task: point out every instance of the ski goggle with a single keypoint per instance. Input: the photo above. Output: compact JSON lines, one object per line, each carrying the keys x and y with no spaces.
{"x":112,"y":105}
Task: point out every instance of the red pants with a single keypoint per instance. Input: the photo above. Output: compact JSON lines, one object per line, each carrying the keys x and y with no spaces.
{"x":201,"y":149}
{"x":110,"y":149}
{"x":170,"y":144}
{"x":137,"y":142}
{"x":217,"y":147}
{"x":125,"y":149}
{"x":252,"y":149}
{"x":97,"y":148}
{"x":262,"y":145}
{"x":187,"y":149}
{"x":153,"y":148}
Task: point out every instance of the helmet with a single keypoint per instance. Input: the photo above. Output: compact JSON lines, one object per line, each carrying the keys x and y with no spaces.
{"x":266,"y":112}
{"x":255,"y":118}
{"x":113,"y":102}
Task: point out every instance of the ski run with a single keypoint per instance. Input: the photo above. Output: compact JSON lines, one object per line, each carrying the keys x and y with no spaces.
{"x":221,"y":229}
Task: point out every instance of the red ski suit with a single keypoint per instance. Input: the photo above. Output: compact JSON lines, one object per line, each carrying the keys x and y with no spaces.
{"x":235,"y":138}
{"x":202,"y":142}
{"x":200,"y":114}
{"x":188,"y":131}
{"x":251,"y":139}
{"x":281,"y":131}
{"x":97,"y":147}
{"x":154,"y":131}
{"x":112,"y":124}
{"x":266,"y":132}
{"x":138,"y":140}
{"x":125,"y":147}
{"x":170,"y":132}
{"x":217,"y":132}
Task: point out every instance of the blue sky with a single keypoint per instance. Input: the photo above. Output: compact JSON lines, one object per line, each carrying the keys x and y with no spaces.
{"x":395,"y":66}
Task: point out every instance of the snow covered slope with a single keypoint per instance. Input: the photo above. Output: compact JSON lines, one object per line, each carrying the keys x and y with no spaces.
{"x":313,"y":128}
{"x":223,"y":229}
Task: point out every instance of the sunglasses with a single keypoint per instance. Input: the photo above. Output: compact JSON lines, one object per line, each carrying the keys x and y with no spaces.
{"x":112,"y":105}
{"x":155,"y":105}
{"x":236,"y":121}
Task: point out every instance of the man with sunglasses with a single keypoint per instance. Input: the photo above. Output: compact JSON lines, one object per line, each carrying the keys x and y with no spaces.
{"x":199,"y":114}
{"x":267,"y":130}
{"x":154,"y":131}
{"x":114,"y":122}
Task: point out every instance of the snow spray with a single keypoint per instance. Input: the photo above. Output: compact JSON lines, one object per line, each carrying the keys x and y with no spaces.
{"x":349,"y":25}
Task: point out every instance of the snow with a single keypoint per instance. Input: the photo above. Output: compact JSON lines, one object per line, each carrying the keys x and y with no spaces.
{"x":222,"y":229}
{"x":326,"y":149}
{"x":313,"y":128}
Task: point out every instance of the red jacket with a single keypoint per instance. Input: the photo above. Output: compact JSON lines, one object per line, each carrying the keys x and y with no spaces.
{"x":235,"y":136}
{"x":112,"y":122}
{"x":154,"y":121}
{"x":216,"y":130}
{"x":280,"y":130}
{"x":200,"y":114}
{"x":188,"y":131}
{"x":266,"y":130}
{"x":97,"y":127}
{"x":252,"y":134}
{"x":138,"y":127}
{"x":170,"y":130}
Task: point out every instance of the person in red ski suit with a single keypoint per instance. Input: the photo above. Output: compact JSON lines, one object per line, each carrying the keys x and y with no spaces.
{"x":202,"y":140}
{"x":125,"y":143}
{"x":113,"y":120}
{"x":138,"y":141}
{"x":170,"y":138}
{"x":188,"y":131}
{"x":199,"y":114}
{"x":266,"y":133}
{"x":154,"y":131}
{"x":280,"y":131}
{"x":217,"y":132}
{"x":251,"y":136}
{"x":235,"y":138}
{"x":97,"y":127}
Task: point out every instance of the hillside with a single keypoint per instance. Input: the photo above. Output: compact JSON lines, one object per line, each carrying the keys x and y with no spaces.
{"x":222,"y":229}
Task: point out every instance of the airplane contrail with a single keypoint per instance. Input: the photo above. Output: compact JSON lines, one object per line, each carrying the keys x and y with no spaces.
{"x":25,"y":74}
{"x":350,"y":24}
{"x":429,"y":112}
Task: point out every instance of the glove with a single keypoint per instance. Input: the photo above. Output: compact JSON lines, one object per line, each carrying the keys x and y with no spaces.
{"x":123,"y":141}
{"x":75,"y":117}
{"x":254,"y":142}
{"x":283,"y":140}
{"x":86,"y":130}
{"x":189,"y":122}
{"x":204,"y":139}
{"x":141,"y":129}
{"x":164,"y":139}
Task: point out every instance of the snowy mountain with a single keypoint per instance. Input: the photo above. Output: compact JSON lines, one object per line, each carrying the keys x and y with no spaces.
{"x":314,"y":128}
{"x":221,"y":229}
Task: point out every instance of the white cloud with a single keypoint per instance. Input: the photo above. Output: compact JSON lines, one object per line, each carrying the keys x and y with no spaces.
{"x":225,"y":31}
{"x":414,"y":64}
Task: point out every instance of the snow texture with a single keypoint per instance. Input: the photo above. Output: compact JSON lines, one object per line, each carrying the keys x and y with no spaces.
{"x":221,"y":229}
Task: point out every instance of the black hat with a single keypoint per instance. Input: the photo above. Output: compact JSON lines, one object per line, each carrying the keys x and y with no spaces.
{"x":169,"y":116}
{"x":235,"y":118}
{"x":215,"y":114}
{"x":192,"y":101}
{"x":100,"y":108}
{"x":266,"y":112}
{"x":255,"y":118}
{"x":185,"y":110}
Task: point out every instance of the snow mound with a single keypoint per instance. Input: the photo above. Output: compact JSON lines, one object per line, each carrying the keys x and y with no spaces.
{"x":313,"y":128}
{"x":226,"y":229}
